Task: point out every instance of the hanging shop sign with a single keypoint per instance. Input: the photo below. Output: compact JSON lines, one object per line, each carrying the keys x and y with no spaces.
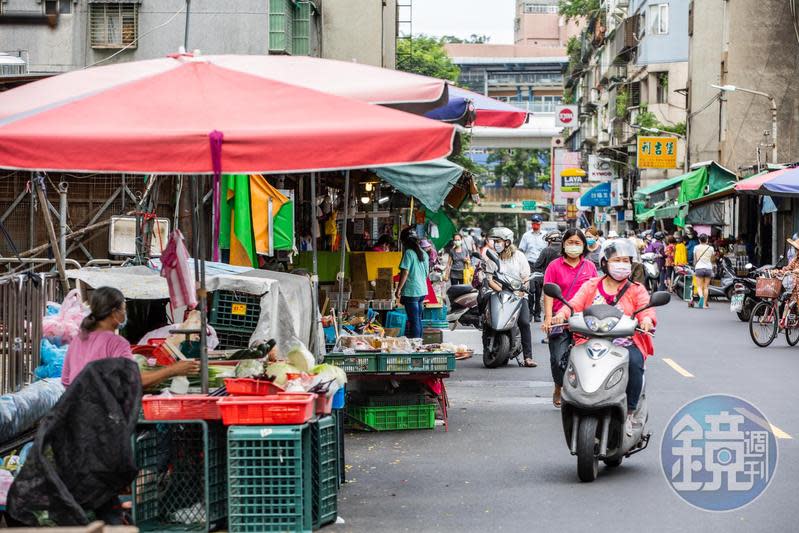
{"x":571,"y":179}
{"x":599,"y":170}
{"x":657,"y":152}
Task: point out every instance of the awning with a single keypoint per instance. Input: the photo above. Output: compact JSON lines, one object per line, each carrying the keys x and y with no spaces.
{"x":427,"y":182}
{"x":662,"y":186}
{"x":597,"y":196}
{"x":668,"y":211}
{"x":783,"y":182}
{"x":649,"y":213}
{"x":721,"y":194}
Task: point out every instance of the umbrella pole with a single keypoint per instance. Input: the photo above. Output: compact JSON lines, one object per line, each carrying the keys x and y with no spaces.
{"x":343,"y":245}
{"x":315,"y":266}
{"x":198,"y":252}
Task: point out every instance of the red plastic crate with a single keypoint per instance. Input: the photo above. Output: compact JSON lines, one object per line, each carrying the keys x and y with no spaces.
{"x":323,"y":406}
{"x":181,"y":407}
{"x":250,"y":387}
{"x":294,"y":408}
{"x":154,"y":350}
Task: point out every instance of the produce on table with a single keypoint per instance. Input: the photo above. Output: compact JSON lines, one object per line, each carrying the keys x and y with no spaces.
{"x":279,"y":372}
{"x":299,"y":357}
{"x":249,"y":368}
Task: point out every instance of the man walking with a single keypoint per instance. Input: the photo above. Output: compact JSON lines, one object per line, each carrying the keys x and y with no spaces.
{"x":532,"y":244}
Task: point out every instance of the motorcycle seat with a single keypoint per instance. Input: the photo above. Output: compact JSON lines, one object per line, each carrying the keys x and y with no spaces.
{"x":456,"y":291}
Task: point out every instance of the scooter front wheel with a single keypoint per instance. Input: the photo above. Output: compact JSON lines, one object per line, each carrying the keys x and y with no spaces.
{"x":497,"y":356}
{"x":587,"y":461}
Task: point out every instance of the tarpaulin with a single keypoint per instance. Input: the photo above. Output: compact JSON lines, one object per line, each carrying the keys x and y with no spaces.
{"x":427,"y":182}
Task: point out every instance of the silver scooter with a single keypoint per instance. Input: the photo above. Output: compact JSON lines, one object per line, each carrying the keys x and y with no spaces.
{"x":651,"y":270}
{"x":501,"y":336}
{"x":594,"y":398}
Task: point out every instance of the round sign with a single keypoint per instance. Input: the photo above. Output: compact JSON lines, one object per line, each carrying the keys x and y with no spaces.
{"x":566,"y":116}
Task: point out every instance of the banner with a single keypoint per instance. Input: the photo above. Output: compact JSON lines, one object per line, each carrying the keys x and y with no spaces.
{"x":599,"y":170}
{"x":657,"y":152}
{"x":562,"y":159}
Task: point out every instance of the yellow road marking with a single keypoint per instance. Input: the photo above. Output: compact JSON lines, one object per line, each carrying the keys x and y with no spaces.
{"x":780,"y":434}
{"x":677,"y":368}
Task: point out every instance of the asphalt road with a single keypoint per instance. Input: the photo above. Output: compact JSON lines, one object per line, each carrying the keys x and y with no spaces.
{"x":504,"y":465}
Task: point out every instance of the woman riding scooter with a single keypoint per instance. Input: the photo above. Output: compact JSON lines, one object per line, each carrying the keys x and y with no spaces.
{"x":514,"y":263}
{"x":615,"y":288}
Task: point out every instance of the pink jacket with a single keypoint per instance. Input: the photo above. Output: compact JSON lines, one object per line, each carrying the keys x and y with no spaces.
{"x":635,"y":298}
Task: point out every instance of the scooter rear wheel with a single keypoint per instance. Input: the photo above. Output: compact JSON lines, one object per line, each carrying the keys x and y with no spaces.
{"x":587,"y":462}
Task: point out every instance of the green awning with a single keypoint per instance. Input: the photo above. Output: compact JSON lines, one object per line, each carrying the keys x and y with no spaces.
{"x":663,"y":185}
{"x":648,"y":213}
{"x":668,"y":211}
{"x":429,"y":183}
{"x":693,"y":186}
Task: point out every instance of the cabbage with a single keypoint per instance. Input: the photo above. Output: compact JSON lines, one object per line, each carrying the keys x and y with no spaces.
{"x":278,"y":372}
{"x":328,"y":372}
{"x":249,"y":368}
{"x":299,"y":357}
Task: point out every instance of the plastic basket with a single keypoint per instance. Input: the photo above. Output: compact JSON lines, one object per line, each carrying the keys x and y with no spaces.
{"x":180,"y":407}
{"x":339,"y":416}
{"x":435,"y":314}
{"x":397,"y":417}
{"x":353,"y":363}
{"x":324,"y":472}
{"x":250,"y":387}
{"x":435,"y":324}
{"x":398,"y":320}
{"x":232,"y":338}
{"x":417,"y":362}
{"x":182,"y":480}
{"x":385,"y":400}
{"x":280,"y":409}
{"x":339,"y":398}
{"x":269,"y":479}
{"x":235,"y":310}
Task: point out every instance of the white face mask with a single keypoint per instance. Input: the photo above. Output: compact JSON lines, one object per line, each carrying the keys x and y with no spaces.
{"x":620,"y":271}
{"x":458,"y":244}
{"x":573,"y":250}
{"x":499,"y":247}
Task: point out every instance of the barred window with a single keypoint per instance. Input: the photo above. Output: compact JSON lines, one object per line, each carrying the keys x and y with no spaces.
{"x":113,"y":25}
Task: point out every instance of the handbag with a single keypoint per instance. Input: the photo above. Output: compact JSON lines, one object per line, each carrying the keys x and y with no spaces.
{"x":468,"y":273}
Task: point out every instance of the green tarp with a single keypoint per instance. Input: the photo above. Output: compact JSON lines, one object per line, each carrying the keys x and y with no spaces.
{"x":446,"y":229}
{"x":693,"y":186}
{"x":641,"y":194}
{"x":429,"y":183}
{"x":283,"y":227}
{"x":648,"y":213}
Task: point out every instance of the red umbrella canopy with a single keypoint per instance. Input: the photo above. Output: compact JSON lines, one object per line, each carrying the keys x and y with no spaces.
{"x":163,"y":116}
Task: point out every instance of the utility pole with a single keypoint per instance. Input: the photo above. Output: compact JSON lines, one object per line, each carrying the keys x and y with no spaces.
{"x":186,"y":31}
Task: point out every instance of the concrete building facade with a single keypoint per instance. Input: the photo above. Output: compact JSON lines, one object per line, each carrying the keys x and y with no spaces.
{"x":538,"y":23}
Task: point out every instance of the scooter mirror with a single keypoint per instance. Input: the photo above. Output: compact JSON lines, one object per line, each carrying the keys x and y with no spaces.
{"x":553,"y":291}
{"x":492,"y":255}
{"x":659,"y":298}
{"x":476,"y":255}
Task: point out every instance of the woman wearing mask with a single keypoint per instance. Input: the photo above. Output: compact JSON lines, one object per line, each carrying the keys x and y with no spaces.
{"x":458,"y":257}
{"x":412,"y":287}
{"x":593,"y":246}
{"x":569,"y":272}
{"x":98,"y":340}
{"x":617,"y":290}
{"x":514,"y":264}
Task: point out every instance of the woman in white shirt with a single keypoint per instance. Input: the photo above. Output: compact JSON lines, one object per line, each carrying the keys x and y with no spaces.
{"x":703,"y":268}
{"x":514,"y":264}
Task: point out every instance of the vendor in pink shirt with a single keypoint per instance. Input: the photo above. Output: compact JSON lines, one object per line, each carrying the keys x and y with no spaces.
{"x":98,"y":340}
{"x":570,"y":271}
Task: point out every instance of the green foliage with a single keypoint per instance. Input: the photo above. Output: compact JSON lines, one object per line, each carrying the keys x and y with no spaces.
{"x":477,"y":170}
{"x":645,"y":118}
{"x":518,"y":166}
{"x":678,"y":128}
{"x":568,"y":95}
{"x":472,"y":39}
{"x":576,"y":9}
{"x":622,"y":101}
{"x":426,"y":56}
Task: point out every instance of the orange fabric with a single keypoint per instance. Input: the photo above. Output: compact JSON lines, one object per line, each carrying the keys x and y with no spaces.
{"x":636,"y":297}
{"x":260,"y":193}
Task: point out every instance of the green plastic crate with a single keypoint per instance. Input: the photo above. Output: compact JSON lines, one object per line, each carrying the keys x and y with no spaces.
{"x":339,"y":415}
{"x":324,"y":471}
{"x":435,"y":324}
{"x":385,"y":400}
{"x":269,"y":478}
{"x":395,"y":417}
{"x":182,"y":479}
{"x":230,"y":309}
{"x":359,"y":363}
{"x":417,"y":362}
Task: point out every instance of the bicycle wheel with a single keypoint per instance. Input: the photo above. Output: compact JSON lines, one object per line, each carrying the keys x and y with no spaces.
{"x":792,"y":327}
{"x":763,"y":324}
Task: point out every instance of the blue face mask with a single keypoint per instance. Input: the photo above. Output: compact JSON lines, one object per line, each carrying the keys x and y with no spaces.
{"x":591,"y":242}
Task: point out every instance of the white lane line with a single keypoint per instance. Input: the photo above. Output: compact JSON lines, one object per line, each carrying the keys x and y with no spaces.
{"x":677,"y":368}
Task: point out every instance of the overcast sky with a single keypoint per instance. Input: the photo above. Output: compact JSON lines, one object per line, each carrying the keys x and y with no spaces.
{"x":465,"y":17}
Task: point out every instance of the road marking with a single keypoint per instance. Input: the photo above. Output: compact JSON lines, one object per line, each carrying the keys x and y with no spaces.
{"x":677,"y":368}
{"x":780,"y":434}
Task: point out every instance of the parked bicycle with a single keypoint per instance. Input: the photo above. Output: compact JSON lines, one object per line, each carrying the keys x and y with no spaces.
{"x":768,"y":317}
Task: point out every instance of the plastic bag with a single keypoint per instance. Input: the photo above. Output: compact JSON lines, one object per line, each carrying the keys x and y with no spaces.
{"x":6,"y":479}
{"x":21,"y":410}
{"x":192,"y":322}
{"x":64,"y":326}
{"x":52,"y":360}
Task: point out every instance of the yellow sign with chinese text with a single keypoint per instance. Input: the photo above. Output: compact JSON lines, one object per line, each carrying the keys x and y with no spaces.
{"x":657,"y":152}
{"x":238,"y":309}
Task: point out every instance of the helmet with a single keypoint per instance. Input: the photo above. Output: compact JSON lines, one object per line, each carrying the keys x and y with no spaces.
{"x":620,"y":247}
{"x":613,"y":235}
{"x":553,"y":236}
{"x":502,"y":233}
{"x":537,"y":219}
{"x":659,"y":236}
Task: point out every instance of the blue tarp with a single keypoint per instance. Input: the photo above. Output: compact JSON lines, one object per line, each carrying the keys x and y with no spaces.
{"x":598,"y":196}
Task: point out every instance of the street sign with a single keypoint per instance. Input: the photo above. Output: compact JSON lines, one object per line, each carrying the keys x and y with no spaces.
{"x":657,"y":152}
{"x":566,"y":116}
{"x":529,"y":205}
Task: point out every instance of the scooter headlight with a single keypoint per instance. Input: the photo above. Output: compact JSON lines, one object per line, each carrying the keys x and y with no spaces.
{"x":592,"y":323}
{"x":615,"y":378}
{"x":571,"y":376}
{"x":607,"y":324}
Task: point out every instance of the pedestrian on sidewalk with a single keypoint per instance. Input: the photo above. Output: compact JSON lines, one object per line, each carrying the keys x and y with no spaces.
{"x":569,"y":272}
{"x":458,"y":258}
{"x":703,"y":269}
{"x":532,"y":244}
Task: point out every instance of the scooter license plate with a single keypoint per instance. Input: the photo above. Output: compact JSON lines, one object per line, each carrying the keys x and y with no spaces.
{"x":737,"y":303}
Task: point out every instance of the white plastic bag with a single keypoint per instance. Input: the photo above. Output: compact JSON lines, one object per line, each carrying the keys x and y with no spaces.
{"x":64,"y":326}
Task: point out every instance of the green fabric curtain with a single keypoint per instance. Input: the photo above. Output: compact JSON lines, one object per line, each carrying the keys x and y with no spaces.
{"x":430,"y":183}
{"x":283,"y":227}
{"x":693,"y":186}
{"x":235,"y":197}
{"x":446,"y":229}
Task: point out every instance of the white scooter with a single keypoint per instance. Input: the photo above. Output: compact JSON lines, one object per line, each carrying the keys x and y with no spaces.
{"x":594,"y":398}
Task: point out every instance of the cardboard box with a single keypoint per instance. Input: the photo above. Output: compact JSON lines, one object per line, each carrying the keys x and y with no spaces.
{"x":360,"y":290}
{"x":384,"y":289}
{"x":385,"y":273}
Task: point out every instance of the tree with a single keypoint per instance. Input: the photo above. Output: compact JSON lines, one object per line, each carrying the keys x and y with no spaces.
{"x":519,"y":166}
{"x":472,"y":39}
{"x":426,"y":56}
{"x":575,"y":9}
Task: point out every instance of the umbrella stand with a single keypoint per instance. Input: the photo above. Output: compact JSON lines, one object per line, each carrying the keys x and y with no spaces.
{"x":343,"y":245}
{"x":315,"y":267}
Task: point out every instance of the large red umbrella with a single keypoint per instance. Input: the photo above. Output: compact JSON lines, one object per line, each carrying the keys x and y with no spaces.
{"x":158,"y":117}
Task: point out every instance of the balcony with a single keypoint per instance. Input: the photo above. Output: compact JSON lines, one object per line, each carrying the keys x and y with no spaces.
{"x":623,"y":39}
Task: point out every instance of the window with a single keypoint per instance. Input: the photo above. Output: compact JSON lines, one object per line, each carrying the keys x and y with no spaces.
{"x":57,"y":7}
{"x":538,"y":8}
{"x":113,"y":25}
{"x":662,"y":87}
{"x":659,"y":14}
